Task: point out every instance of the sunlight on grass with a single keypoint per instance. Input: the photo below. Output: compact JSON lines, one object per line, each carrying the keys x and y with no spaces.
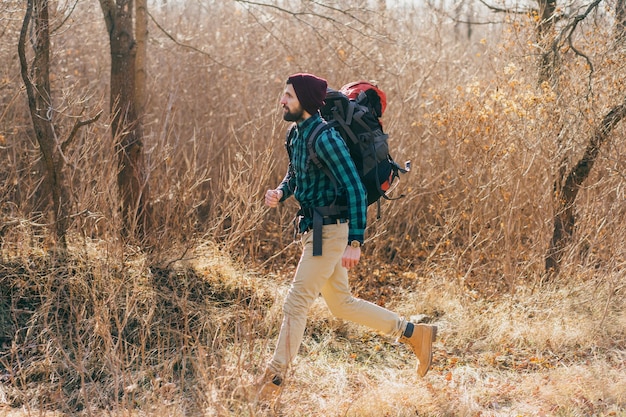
{"x":182,"y":323}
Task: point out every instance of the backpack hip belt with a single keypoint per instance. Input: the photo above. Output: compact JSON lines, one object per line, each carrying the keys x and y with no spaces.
{"x":321,"y":216}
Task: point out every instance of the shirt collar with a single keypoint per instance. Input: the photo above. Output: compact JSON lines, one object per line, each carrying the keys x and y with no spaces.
{"x":308,"y":122}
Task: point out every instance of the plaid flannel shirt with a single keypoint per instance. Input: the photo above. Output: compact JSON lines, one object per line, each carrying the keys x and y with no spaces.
{"x":312,"y":187}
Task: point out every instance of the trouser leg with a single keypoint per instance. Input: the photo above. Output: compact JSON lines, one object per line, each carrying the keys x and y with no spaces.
{"x":311,"y":275}
{"x":342,"y":304}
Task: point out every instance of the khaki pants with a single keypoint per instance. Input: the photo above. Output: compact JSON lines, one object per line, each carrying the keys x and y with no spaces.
{"x":324,"y":275}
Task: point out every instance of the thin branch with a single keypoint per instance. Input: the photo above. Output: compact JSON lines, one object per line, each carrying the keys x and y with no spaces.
{"x":567,"y":34}
{"x":269,"y":31}
{"x":298,"y":15}
{"x":337,"y":10}
{"x":78,"y":125}
{"x":305,"y":13}
{"x":60,"y":25}
{"x":193,"y":48}
{"x":496,"y":9}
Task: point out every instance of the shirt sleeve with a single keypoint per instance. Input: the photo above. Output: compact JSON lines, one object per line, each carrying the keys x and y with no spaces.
{"x":286,"y":185}
{"x":334,"y":153}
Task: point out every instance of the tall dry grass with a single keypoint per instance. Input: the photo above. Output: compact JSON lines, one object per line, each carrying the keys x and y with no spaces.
{"x":181,"y":329}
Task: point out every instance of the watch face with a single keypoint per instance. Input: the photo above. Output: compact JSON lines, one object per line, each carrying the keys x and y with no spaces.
{"x":355,"y":244}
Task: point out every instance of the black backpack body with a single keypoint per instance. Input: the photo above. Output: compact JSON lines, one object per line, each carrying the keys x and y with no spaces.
{"x":357,"y":121}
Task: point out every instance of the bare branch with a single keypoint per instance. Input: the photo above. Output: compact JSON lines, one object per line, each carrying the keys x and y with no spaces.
{"x":362,"y":29}
{"x":305,"y":13}
{"x":496,"y":9}
{"x":193,"y":48}
{"x":299,"y":14}
{"x":567,"y":33}
{"x":269,"y":31}
{"x":60,"y":25}
{"x":78,"y":125}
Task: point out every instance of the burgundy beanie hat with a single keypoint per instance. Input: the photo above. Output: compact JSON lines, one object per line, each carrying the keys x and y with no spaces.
{"x":310,"y":90}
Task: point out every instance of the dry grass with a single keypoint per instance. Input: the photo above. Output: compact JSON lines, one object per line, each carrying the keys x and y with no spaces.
{"x":179,"y":330}
{"x":184,"y":341}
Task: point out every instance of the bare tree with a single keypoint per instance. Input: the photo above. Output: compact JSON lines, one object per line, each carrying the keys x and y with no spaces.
{"x":126,"y":126}
{"x":37,"y":82}
{"x":570,"y":184}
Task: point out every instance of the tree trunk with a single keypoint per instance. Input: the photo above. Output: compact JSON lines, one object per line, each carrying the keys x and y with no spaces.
{"x":126,"y":125}
{"x":141,"y":34}
{"x":620,"y":17}
{"x":565,"y":196}
{"x":545,"y":34}
{"x":37,"y":85}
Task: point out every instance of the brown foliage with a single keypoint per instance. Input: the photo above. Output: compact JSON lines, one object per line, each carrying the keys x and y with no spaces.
{"x":466,"y":245}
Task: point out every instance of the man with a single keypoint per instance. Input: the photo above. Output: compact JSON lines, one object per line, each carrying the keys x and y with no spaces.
{"x":341,"y":219}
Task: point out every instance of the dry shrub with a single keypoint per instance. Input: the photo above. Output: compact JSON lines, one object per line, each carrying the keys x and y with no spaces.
{"x":178,"y":329}
{"x":486,"y":142}
{"x":90,"y":334}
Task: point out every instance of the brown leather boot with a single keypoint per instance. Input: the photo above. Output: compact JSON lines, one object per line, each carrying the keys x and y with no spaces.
{"x":420,"y":338}
{"x":268,"y":387}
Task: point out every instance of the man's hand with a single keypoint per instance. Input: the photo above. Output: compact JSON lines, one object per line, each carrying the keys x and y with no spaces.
{"x":350,"y":257}
{"x":272,"y":197}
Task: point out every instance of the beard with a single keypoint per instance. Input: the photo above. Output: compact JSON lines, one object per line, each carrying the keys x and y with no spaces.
{"x":293,"y":116}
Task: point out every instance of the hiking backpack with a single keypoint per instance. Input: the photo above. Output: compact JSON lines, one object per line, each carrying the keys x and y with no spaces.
{"x":354,"y":111}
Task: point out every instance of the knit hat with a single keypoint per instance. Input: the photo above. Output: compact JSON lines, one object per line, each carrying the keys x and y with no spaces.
{"x":310,"y":90}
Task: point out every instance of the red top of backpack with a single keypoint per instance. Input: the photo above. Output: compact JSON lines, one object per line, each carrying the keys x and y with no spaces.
{"x":353,"y":89}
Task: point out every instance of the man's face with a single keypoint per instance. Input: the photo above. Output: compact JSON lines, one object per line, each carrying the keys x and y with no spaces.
{"x":292,"y":110}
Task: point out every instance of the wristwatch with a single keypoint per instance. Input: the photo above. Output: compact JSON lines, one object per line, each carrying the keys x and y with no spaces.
{"x":355,"y":244}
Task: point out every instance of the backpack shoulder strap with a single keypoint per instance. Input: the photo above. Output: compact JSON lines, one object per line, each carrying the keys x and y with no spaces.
{"x":312,"y":155}
{"x":352,"y":112}
{"x":310,"y":143}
